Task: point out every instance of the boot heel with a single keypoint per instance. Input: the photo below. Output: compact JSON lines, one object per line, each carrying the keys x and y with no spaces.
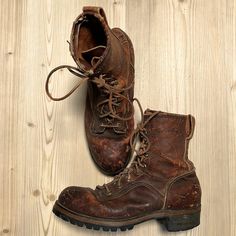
{"x":183,"y":222}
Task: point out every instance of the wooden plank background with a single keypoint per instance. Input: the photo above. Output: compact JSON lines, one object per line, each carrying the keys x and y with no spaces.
{"x":185,"y":62}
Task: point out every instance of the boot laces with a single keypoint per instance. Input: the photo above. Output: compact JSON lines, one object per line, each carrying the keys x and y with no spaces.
{"x":107,"y":108}
{"x":141,"y":154}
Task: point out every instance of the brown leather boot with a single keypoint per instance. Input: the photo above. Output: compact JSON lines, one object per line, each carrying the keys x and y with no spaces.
{"x":160,"y":184}
{"x":105,"y":58}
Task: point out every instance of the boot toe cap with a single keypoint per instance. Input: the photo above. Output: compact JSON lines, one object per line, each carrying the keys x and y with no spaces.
{"x":111,"y":156}
{"x":81,"y":201}
{"x":75,"y":198}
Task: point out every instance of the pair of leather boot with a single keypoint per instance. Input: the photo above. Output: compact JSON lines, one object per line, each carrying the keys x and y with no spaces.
{"x":161,"y":182}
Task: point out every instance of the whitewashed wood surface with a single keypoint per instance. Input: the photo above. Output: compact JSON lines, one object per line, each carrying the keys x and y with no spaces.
{"x":185,"y":62}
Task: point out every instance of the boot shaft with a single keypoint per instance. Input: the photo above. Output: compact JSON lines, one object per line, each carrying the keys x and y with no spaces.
{"x":94,"y":46}
{"x":169,"y":136}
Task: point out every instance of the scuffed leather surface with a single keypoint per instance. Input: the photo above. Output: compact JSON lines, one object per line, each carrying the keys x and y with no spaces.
{"x":133,"y":203}
{"x":110,"y":151}
{"x":184,"y":193}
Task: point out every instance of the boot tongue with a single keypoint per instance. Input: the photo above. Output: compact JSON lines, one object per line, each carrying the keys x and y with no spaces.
{"x":93,"y":55}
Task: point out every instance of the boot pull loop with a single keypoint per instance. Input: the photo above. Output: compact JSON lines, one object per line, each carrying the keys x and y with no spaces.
{"x":189,"y":127}
{"x":95,"y":10}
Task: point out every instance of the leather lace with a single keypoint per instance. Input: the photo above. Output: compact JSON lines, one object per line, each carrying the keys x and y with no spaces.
{"x":112,"y":100}
{"x":141,"y":154}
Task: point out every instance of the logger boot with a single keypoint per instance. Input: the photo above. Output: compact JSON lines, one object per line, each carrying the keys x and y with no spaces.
{"x":160,"y":184}
{"x":105,"y":59}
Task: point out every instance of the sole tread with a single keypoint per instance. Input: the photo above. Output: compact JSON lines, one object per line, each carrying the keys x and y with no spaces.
{"x":172,"y":223}
{"x":92,"y":226}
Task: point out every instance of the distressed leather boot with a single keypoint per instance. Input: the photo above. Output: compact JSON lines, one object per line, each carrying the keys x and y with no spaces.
{"x":160,"y":184}
{"x":105,"y":59}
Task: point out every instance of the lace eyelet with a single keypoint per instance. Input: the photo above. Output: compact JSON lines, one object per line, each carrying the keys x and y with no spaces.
{"x":108,"y":193}
{"x":128,"y":178}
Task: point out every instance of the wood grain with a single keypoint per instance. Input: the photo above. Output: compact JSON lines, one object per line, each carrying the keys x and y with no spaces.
{"x":185,"y":62}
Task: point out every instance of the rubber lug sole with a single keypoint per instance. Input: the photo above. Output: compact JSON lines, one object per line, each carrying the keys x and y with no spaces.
{"x":91,"y":226}
{"x":172,"y":223}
